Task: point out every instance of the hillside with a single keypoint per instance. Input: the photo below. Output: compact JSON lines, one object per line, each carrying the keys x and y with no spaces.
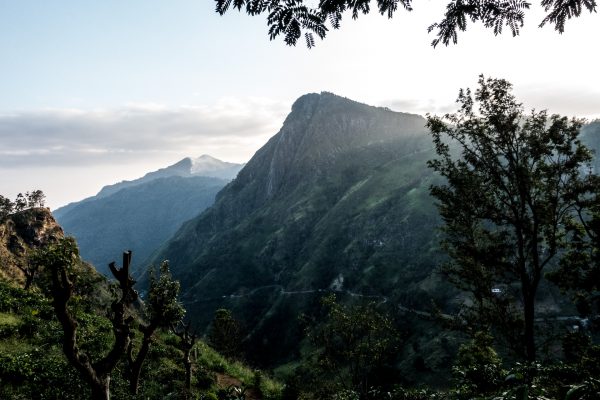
{"x":138,"y":217}
{"x":32,"y":362}
{"x":21,"y":233}
{"x":337,"y":200}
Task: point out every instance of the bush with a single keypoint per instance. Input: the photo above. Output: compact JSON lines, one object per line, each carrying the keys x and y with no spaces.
{"x":478,"y":369}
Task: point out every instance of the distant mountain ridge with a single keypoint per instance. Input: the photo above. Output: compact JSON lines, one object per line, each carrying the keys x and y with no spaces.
{"x":140,"y":214}
{"x":204,"y":165}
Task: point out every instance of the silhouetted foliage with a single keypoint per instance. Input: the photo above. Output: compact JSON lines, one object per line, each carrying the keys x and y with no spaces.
{"x":59,"y":260}
{"x":6,"y":207}
{"x":579,"y":270}
{"x":36,"y":198}
{"x":507,"y":203}
{"x":20,"y":203}
{"x":32,"y":199}
{"x":162,"y":310}
{"x":225,"y":333}
{"x":354,"y":345}
{"x":478,"y":368}
{"x":290,"y":18}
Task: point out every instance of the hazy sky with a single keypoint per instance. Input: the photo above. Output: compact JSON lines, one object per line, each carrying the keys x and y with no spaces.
{"x":94,"y":92}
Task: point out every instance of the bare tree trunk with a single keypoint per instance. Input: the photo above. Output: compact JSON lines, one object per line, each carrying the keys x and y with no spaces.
{"x":135,"y":365}
{"x":187,"y":362}
{"x":529,"y":314}
{"x":101,"y":389}
{"x":96,"y":374}
{"x":188,"y":339}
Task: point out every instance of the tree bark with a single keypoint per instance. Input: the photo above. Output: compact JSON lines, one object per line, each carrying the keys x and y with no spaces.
{"x":529,"y":314}
{"x":135,"y":365}
{"x":188,"y":339}
{"x":187,"y":362}
{"x":97,"y":375}
{"x":101,"y":389}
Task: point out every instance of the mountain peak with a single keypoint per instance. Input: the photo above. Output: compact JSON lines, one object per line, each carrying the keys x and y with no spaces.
{"x":204,"y":165}
{"x":322,"y":128}
{"x":210,"y":166}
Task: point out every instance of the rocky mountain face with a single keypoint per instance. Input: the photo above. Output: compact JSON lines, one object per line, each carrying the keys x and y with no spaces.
{"x":338,"y":201}
{"x":141,"y":214}
{"x":22,"y":232}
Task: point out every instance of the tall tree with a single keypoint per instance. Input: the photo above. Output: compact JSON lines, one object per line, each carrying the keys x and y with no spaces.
{"x":290,"y":18}
{"x":507,"y":201}
{"x":59,"y":260}
{"x":162,"y":309}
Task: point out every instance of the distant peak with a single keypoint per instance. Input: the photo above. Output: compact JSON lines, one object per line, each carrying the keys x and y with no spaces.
{"x":206,"y":156}
{"x":309,"y":102}
{"x":207,"y":160}
{"x":211,"y":166}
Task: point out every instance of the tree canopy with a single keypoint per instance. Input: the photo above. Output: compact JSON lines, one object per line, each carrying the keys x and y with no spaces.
{"x":293,"y":18}
{"x":507,"y":202}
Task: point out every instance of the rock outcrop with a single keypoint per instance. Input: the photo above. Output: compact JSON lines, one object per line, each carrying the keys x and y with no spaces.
{"x":21,"y":233}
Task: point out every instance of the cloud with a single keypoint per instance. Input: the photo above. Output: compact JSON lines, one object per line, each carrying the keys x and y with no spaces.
{"x":578,"y":102}
{"x":72,"y":137}
{"x":569,"y":101}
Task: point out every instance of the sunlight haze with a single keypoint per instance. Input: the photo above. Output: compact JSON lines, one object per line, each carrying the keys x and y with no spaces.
{"x":98,"y":92}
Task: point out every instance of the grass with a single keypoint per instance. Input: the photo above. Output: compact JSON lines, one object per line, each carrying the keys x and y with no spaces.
{"x":7,"y":319}
{"x":213,"y":361}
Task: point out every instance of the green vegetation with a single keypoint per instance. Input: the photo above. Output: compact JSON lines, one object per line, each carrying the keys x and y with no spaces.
{"x":70,"y":336}
{"x":33,"y":366}
{"x":225,"y":334}
{"x":35,"y":198}
{"x":507,"y":204}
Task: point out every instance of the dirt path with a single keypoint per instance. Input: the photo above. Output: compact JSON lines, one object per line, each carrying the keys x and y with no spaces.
{"x":225,"y":381}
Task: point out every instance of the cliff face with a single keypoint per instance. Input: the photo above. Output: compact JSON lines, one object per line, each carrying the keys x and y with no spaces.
{"x":22,"y":232}
{"x":316,"y":138}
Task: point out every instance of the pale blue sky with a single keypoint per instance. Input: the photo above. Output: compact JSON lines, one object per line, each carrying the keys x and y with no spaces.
{"x":96,"y":91}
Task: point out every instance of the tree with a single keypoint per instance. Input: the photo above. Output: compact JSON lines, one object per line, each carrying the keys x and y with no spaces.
{"x":478,"y":368}
{"x":186,"y":344}
{"x":20,"y":203}
{"x":6,"y":207}
{"x":507,"y":201}
{"x":30,"y":269}
{"x":291,"y":17}
{"x":36,"y":198}
{"x":355,"y":343}
{"x":163,"y":310}
{"x":225,"y":333}
{"x":59,"y":260}
{"x":579,"y":270}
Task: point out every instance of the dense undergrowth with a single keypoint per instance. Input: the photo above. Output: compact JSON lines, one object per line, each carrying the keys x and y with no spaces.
{"x":32,"y":365}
